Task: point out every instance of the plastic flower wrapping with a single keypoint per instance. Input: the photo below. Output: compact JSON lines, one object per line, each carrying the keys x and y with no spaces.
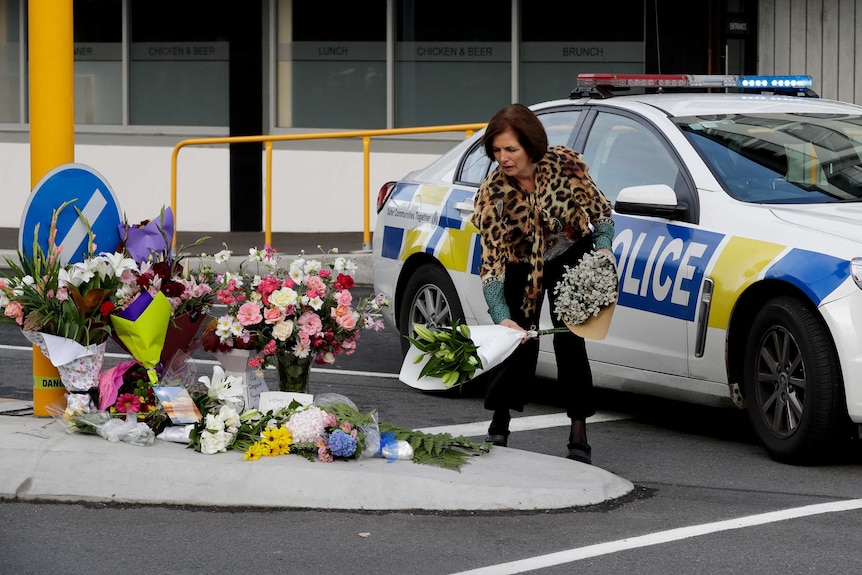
{"x":70,"y":310}
{"x":156,"y":332}
{"x":64,"y":308}
{"x":306,"y":309}
{"x":330,"y":428}
{"x":71,"y":301}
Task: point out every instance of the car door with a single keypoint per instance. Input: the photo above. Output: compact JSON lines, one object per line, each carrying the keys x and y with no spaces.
{"x":660,"y":260}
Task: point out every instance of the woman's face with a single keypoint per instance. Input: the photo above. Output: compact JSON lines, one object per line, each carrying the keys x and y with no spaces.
{"x":511,"y":155}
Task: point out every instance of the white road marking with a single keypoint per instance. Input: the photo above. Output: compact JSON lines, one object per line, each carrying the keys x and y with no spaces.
{"x":572,"y":555}
{"x":215,"y":362}
{"x":527,"y":423}
{"x":76,"y":234}
{"x":474,"y":429}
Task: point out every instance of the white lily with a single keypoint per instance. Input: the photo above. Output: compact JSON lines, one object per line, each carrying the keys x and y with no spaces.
{"x":116,"y":263}
{"x":222,"y":256}
{"x":227,"y":389}
{"x":75,"y":275}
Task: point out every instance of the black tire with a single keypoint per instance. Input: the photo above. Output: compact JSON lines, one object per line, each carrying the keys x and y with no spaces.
{"x":793,"y":384}
{"x":429,"y":299}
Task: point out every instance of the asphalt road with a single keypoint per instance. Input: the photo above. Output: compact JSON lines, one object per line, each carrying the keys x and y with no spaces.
{"x":703,"y":489}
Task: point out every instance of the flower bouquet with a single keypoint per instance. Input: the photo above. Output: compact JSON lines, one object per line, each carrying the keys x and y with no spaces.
{"x":160,"y":278}
{"x":126,"y":389}
{"x":290,"y":316}
{"x":128,"y":429}
{"x":587,"y":295}
{"x":329,"y":429}
{"x":451,"y":356}
{"x":64,"y":309}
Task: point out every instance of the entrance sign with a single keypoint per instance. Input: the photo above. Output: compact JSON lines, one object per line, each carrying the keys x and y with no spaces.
{"x":90,"y":193}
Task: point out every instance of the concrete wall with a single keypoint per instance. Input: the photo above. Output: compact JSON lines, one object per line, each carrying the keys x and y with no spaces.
{"x":313,"y":190}
{"x":822,"y":38}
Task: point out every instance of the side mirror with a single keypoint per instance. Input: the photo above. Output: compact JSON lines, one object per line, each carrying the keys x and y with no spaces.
{"x":650,"y":200}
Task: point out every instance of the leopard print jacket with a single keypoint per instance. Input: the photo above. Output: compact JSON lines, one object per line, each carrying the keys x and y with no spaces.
{"x":516,"y":226}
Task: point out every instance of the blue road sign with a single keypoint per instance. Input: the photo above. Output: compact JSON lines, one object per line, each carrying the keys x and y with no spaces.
{"x":90,"y":193}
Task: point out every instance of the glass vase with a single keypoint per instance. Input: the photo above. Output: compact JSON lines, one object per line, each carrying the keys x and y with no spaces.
{"x":293,"y":372}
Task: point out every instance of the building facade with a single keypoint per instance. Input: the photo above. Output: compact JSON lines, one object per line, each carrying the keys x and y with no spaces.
{"x":149,"y":74}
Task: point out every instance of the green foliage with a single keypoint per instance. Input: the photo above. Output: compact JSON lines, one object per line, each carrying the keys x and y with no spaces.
{"x":60,"y":300}
{"x":452,"y":355}
{"x":438,"y":449}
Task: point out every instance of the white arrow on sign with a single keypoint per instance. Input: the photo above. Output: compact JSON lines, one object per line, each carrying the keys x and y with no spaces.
{"x":76,"y":234}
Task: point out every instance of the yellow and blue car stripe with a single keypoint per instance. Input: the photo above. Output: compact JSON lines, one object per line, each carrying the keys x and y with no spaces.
{"x":661,"y":266}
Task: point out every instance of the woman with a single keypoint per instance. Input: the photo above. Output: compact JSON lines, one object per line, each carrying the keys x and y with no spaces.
{"x":537,"y":212}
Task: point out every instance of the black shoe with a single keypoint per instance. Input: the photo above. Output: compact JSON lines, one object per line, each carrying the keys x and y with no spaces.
{"x":498,"y":440}
{"x":580,"y":452}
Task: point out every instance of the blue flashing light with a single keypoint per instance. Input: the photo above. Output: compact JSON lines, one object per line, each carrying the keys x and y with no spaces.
{"x":695,"y":81}
{"x":777,"y":82}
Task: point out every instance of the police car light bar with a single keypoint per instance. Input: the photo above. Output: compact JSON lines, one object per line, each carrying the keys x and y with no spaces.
{"x":693,"y":81}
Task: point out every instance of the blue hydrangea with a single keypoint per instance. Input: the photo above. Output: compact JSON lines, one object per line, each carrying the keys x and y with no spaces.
{"x":341,"y":444}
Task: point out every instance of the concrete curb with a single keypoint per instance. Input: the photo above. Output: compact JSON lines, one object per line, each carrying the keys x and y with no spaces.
{"x":42,"y":462}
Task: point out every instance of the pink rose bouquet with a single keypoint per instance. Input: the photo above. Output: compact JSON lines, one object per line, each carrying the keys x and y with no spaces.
{"x":306,"y":309}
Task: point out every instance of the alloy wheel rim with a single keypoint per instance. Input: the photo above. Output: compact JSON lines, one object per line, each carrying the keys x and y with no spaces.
{"x":430,"y":308}
{"x":781,"y":382}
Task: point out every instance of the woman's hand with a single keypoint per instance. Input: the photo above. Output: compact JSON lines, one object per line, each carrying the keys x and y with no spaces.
{"x":513,"y":325}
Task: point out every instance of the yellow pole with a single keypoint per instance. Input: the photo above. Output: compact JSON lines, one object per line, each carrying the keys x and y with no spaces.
{"x":52,"y":134}
{"x":52,"y":86}
{"x":268,"y":229}
{"x":366,"y":168}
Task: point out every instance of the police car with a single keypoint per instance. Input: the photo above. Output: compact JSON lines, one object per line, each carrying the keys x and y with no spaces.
{"x":738,"y":240}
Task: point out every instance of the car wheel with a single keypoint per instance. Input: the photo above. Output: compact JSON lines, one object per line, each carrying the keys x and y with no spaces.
{"x":792,"y":382}
{"x":429,"y":299}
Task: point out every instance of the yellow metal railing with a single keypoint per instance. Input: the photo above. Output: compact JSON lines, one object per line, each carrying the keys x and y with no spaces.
{"x":366,"y":136}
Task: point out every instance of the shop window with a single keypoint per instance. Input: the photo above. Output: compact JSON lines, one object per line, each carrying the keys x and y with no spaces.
{"x":179,"y":73}
{"x":98,"y":29}
{"x":560,"y":40}
{"x":331,"y":69}
{"x":452,"y":61}
{"x":10,"y":67}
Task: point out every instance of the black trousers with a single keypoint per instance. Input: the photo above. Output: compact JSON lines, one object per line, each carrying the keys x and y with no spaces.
{"x":509,"y":383}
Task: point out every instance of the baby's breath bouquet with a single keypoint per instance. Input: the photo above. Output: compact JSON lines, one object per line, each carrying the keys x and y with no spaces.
{"x":587,"y":291}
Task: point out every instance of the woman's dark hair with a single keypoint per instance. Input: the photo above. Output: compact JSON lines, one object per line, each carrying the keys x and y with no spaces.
{"x":527,"y":128}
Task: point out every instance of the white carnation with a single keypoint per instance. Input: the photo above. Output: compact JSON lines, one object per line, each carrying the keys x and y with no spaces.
{"x":307,"y":424}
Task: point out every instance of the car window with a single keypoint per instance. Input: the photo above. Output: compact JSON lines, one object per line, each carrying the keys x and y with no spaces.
{"x":621,"y":153}
{"x":559,"y":126}
{"x":782,"y":158}
{"x":476,"y":165}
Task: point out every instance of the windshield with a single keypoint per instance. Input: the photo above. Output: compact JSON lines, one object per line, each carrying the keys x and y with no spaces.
{"x":782,"y":158}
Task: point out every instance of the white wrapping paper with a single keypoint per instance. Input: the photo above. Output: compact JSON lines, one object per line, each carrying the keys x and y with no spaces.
{"x":79,"y":366}
{"x":495,"y":343}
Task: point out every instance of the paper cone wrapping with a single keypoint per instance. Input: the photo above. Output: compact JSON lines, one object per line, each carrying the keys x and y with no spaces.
{"x":141,"y":242}
{"x":81,"y":376}
{"x":79,"y":366}
{"x":494,"y":342}
{"x":181,"y":332}
{"x":110,"y":382}
{"x":142,"y":328}
{"x":597,"y":326}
